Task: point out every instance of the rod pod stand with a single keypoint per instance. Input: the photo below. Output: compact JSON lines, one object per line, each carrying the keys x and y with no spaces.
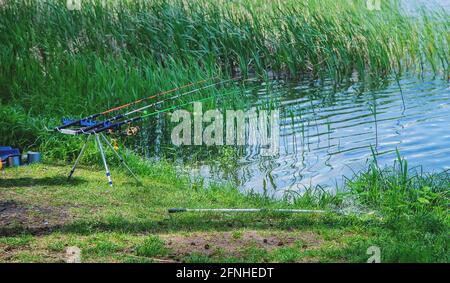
{"x":100,"y":148}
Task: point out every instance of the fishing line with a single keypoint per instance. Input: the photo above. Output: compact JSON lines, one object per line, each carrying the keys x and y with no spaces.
{"x":107,"y":123}
{"x":187,"y":103}
{"x":142,"y":117}
{"x":112,"y":119}
{"x":93,"y":116}
{"x":154,"y":96}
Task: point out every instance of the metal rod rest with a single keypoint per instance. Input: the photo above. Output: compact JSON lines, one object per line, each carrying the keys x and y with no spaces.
{"x":122,"y":161}
{"x":79,"y":157}
{"x":108,"y":174}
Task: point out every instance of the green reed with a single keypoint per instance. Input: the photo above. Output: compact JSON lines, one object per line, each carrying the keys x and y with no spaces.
{"x":320,"y":37}
{"x":55,"y":62}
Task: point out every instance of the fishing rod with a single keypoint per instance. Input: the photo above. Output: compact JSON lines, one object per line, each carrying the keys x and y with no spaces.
{"x":226,"y":210}
{"x":108,"y":123}
{"x":270,"y":210}
{"x":142,"y":117}
{"x":87,"y":120}
{"x":120,"y":116}
{"x":154,"y":96}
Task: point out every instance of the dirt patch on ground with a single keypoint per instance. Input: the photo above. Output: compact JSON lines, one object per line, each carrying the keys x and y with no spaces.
{"x":17,"y":217}
{"x":234,"y":243}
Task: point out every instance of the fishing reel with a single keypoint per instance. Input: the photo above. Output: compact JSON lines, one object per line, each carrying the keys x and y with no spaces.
{"x":128,"y":132}
{"x":132,"y":130}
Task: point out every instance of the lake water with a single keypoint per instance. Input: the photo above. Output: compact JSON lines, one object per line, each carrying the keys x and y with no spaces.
{"x":326,"y":134}
{"x":412,"y":6}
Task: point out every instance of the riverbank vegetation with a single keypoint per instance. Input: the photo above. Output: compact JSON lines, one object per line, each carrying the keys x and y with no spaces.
{"x":57,"y":63}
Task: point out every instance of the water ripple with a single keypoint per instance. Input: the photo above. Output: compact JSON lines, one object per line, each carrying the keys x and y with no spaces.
{"x":325,"y":135}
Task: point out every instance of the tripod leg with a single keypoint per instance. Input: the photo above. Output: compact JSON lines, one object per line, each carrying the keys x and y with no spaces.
{"x":108,"y":174}
{"x":120,"y":158}
{"x":79,"y":157}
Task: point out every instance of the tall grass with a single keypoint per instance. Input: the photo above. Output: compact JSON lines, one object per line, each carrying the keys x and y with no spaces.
{"x":397,"y":189}
{"x":322,"y":37}
{"x":55,"y":62}
{"x":413,"y":206}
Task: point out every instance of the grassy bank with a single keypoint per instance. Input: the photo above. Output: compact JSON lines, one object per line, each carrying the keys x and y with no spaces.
{"x":404,"y":214}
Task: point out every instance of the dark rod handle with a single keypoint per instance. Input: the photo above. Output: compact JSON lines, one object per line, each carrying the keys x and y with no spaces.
{"x":176,"y":210}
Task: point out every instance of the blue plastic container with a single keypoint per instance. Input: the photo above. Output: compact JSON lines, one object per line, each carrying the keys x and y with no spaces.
{"x":14,"y":160}
{"x":33,"y":157}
